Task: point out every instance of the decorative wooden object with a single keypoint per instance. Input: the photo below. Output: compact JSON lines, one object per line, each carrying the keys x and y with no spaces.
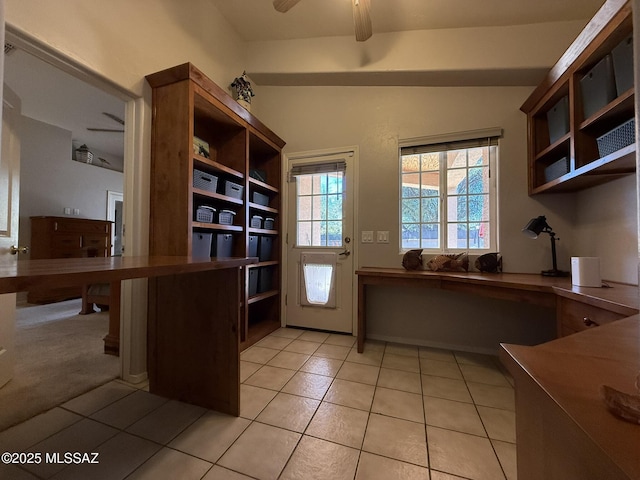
{"x":611,"y":25}
{"x":187,"y":104}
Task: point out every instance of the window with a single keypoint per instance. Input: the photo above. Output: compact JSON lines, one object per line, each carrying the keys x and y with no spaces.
{"x":448,"y":193}
{"x":319,"y":192}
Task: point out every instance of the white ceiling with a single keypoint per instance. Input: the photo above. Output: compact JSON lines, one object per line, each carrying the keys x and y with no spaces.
{"x":257,"y":20}
{"x":54,"y":97}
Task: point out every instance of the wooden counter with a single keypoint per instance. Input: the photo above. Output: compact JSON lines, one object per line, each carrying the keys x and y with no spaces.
{"x":193,"y":344}
{"x":563,"y":428}
{"x":519,"y":287}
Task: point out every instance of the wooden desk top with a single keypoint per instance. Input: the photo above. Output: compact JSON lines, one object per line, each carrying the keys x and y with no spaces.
{"x":17,"y":276}
{"x":571,"y":369}
{"x":621,"y":298}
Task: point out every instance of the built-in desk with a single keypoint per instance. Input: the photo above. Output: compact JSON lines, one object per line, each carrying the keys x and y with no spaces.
{"x":193,"y":346}
{"x":520,"y":287}
{"x":563,"y":429}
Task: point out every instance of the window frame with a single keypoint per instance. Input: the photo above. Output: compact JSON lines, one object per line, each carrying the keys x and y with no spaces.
{"x":455,"y":141}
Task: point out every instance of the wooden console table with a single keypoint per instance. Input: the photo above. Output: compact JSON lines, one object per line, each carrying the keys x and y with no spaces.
{"x":563,"y":429}
{"x":193,"y":345}
{"x":519,"y":287}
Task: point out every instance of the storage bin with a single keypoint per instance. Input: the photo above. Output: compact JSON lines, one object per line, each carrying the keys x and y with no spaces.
{"x":260,"y":198}
{"x":222,"y":245}
{"x":201,"y":244}
{"x":233,"y":189}
{"x":556,"y":169}
{"x":253,"y":246}
{"x":254,"y":273}
{"x":205,"y":214}
{"x":623,"y":65}
{"x":618,"y":138}
{"x":256,"y":221}
{"x":558,"y":119}
{"x":598,"y":87}
{"x":225,"y":217}
{"x":269,"y":223}
{"x":264,"y":251}
{"x":205,"y":181}
{"x":265,"y":279}
{"x":258,"y":174}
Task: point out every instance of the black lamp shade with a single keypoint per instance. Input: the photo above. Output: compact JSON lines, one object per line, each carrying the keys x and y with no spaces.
{"x":535,"y":226}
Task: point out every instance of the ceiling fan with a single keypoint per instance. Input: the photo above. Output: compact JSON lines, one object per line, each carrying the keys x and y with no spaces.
{"x":361,"y":15}
{"x":109,"y":130}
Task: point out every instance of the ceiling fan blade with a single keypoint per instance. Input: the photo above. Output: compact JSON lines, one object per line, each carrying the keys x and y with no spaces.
{"x":113,"y":117}
{"x":284,"y":5}
{"x":362,"y":19}
{"x":111,"y":130}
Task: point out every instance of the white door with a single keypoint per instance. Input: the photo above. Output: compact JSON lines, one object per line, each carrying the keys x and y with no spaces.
{"x":9,"y":203}
{"x":320,"y":242}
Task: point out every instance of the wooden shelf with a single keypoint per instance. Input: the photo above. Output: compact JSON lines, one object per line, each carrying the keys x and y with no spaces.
{"x":217,"y":166}
{"x":186,"y":104}
{"x":217,"y":226}
{"x":579,"y":146}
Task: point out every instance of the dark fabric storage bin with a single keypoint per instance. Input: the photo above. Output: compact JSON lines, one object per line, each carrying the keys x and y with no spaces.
{"x":623,"y":65}
{"x":204,"y":181}
{"x":260,"y":199}
{"x":253,"y":281}
{"x":201,"y":244}
{"x":598,"y":87}
{"x":222,"y":245}
{"x":253,"y":246}
{"x":556,"y":169}
{"x":233,"y":189}
{"x":265,"y":279}
{"x":558,"y":119}
{"x":264,"y":252}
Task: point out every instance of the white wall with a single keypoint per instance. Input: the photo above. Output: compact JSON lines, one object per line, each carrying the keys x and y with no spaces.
{"x":50,"y":180}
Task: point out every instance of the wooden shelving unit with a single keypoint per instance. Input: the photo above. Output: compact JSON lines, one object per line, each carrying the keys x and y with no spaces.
{"x":610,"y":26}
{"x":186,"y":104}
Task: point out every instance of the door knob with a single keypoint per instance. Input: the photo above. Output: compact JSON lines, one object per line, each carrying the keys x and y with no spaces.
{"x":13,"y":250}
{"x":346,"y":253}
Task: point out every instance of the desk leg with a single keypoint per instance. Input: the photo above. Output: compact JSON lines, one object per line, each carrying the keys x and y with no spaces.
{"x":362,"y":314}
{"x":112,"y":339}
{"x":193,"y":338}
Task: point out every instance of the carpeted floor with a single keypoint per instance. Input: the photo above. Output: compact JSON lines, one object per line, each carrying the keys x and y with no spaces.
{"x":59,"y":356}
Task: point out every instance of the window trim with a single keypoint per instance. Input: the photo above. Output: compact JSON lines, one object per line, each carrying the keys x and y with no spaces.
{"x":490,"y":136}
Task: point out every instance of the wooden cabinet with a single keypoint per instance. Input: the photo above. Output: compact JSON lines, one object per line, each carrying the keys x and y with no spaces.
{"x":66,"y":237}
{"x":562,"y":161}
{"x":235,"y":169}
{"x":574,"y":316}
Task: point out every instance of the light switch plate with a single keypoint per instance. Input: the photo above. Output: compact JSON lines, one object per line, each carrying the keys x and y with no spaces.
{"x":383,"y":236}
{"x":367,"y":236}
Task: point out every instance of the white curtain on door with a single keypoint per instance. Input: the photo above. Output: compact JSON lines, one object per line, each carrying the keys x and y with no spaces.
{"x":318,"y":279}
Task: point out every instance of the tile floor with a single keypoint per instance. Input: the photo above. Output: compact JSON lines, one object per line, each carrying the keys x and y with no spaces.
{"x":311,"y":408}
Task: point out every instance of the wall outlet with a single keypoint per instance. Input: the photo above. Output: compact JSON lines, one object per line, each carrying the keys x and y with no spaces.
{"x":67,"y":211}
{"x":76,"y":211}
{"x":383,"y":236}
{"x":367,"y":236}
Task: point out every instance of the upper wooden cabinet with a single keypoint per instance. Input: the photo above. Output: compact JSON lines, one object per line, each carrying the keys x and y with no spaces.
{"x":579,"y":102}
{"x":206,"y":201}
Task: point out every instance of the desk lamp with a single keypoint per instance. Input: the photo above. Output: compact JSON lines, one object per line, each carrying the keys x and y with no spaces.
{"x":532,"y":230}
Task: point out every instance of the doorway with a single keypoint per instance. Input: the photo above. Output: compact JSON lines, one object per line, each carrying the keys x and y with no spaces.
{"x":106,"y":168}
{"x":320,"y":248}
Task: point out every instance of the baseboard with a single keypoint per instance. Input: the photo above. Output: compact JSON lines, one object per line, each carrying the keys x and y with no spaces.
{"x":135,"y":379}
{"x":426,"y":343}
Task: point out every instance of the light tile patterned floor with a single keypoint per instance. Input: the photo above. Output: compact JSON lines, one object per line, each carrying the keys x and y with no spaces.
{"x":311,"y":408}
